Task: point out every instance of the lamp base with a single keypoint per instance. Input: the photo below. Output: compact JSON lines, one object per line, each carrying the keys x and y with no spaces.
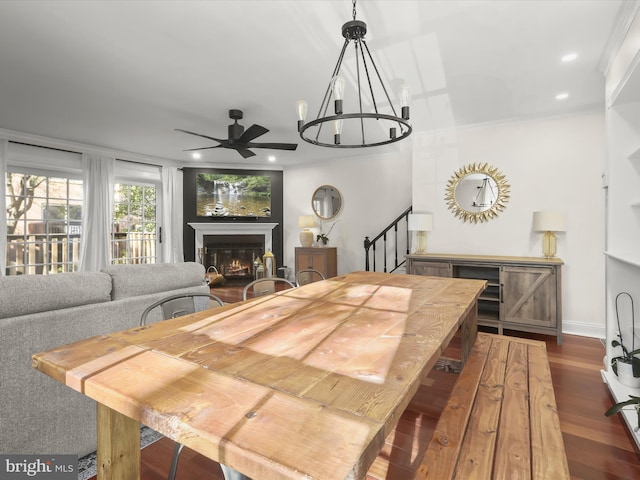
{"x":421,"y":248}
{"x":306,"y":237}
{"x":549,"y":244}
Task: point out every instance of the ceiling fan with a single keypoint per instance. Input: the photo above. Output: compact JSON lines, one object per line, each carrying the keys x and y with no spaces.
{"x":240,"y":139}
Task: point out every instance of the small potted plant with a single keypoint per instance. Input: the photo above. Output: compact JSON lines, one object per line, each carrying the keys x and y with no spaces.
{"x":627,"y":365}
{"x":323,"y":238}
{"x":632,"y":402}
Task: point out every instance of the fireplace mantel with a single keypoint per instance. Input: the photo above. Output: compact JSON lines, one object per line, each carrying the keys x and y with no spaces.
{"x":212,"y":228}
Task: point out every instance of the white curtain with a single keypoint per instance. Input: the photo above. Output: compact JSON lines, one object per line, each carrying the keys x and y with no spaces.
{"x":97,"y":212}
{"x":4,"y":149}
{"x":172,"y":245}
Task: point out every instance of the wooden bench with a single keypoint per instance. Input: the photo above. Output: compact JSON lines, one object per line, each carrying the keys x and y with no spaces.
{"x":500,"y":420}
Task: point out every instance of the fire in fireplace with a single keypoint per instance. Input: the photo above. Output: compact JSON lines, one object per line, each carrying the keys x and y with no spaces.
{"x":233,"y":255}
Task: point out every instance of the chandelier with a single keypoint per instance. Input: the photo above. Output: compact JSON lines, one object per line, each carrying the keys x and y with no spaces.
{"x":367,"y":83}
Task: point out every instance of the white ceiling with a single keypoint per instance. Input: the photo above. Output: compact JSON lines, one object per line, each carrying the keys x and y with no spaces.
{"x":124,"y":74}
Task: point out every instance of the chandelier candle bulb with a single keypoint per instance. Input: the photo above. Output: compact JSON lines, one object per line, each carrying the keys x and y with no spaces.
{"x":302,"y":107}
{"x":405,"y":98}
{"x":338,"y":94}
{"x":337,"y":130}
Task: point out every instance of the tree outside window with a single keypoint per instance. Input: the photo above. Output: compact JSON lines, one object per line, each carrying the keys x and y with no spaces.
{"x":43,"y":223}
{"x":133,"y":238}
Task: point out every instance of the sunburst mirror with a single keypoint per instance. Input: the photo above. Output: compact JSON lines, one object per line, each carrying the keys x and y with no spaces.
{"x":477,"y":193}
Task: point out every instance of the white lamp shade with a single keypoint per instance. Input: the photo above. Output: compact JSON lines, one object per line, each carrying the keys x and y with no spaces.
{"x":420,"y":222}
{"x":306,"y":221}
{"x":548,"y":222}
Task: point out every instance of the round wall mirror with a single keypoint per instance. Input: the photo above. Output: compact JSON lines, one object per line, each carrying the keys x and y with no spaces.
{"x":326,"y":202}
{"x":477,"y":193}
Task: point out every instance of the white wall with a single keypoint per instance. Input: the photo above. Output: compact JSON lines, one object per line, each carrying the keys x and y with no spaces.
{"x":550,"y":164}
{"x":375,"y":190}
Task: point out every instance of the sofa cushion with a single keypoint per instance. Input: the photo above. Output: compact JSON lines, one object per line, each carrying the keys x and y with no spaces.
{"x":134,"y":280}
{"x":26,"y":294}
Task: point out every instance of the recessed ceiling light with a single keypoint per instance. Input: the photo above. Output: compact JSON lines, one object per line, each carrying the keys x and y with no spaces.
{"x":271,"y":158}
{"x":196,"y":155}
{"x":562,"y":96}
{"x":569,"y":57}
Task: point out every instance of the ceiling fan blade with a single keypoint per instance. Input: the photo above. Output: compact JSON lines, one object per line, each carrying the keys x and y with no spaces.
{"x":199,"y":135}
{"x":254,"y":131}
{"x":246,"y":153}
{"x":203,"y":148}
{"x":275,"y":146}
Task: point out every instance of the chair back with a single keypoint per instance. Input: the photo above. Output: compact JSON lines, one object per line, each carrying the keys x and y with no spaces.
{"x":308,"y":275}
{"x":181,"y":304}
{"x":265,"y":286}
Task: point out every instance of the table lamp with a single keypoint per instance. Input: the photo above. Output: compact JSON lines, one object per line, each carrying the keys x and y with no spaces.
{"x":548,"y":222}
{"x":421,"y":223}
{"x":306,"y":236}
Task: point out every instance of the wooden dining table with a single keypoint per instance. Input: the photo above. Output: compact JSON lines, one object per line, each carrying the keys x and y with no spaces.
{"x":305,"y":383}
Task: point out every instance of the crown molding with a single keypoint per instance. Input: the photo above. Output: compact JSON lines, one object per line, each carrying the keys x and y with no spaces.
{"x":628,"y":12}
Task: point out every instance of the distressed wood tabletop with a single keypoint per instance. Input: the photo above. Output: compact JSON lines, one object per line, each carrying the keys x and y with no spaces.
{"x":305,"y":383}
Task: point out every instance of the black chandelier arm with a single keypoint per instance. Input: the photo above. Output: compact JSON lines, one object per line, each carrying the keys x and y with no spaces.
{"x":376,"y":116}
{"x":359,"y":88}
{"x":384,"y":89}
{"x":326,"y":100}
{"x":366,"y":69}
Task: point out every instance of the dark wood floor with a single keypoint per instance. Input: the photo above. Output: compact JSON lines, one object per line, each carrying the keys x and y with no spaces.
{"x":597,"y":447}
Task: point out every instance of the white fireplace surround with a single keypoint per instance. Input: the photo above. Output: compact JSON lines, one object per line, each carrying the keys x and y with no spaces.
{"x":212,"y":228}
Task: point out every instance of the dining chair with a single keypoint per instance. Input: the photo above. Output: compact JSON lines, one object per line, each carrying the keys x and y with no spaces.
{"x":182,"y":304}
{"x":308,"y":275}
{"x":176,"y":306}
{"x":265,"y":286}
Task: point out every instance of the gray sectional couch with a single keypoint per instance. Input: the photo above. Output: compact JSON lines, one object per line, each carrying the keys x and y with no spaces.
{"x":38,"y":415}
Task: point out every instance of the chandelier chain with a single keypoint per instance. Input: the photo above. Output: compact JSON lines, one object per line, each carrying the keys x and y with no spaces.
{"x":354,"y":9}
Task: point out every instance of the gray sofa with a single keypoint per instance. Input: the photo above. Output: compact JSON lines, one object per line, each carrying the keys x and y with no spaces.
{"x":38,"y":415}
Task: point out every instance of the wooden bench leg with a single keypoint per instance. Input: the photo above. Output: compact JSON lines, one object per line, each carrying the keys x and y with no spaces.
{"x":118,"y":446}
{"x":468,"y":333}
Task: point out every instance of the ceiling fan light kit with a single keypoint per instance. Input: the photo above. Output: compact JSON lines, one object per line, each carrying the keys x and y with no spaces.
{"x":366,"y":74}
{"x":240,"y":139}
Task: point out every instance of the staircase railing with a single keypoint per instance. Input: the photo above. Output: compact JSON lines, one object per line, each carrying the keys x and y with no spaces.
{"x":395,"y":247}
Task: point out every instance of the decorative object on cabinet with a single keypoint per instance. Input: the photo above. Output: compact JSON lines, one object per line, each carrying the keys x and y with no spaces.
{"x":549,"y":223}
{"x":326,"y":202}
{"x":477,"y":193}
{"x":269,"y":261}
{"x":365,"y":88}
{"x":627,"y":365}
{"x":421,"y":223}
{"x":306,"y":236}
{"x":324,"y":260}
{"x":523,"y":293}
{"x":323,"y":238}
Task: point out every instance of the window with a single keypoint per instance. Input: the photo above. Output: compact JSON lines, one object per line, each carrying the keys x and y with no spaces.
{"x":133,"y":239}
{"x":43,"y":223}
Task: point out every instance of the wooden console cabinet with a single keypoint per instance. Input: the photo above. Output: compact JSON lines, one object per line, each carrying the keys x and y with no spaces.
{"x":323,"y":259}
{"x":523,"y":293}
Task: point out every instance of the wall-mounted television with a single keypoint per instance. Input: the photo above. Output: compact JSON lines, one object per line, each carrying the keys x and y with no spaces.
{"x":225,"y":195}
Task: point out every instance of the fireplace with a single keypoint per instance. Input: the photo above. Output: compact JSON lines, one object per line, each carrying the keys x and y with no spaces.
{"x":233,"y":255}
{"x":232,"y":247}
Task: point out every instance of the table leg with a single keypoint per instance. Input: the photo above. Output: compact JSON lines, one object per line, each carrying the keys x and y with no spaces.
{"x":469,"y":331}
{"x":231,"y":474}
{"x":118,"y":446}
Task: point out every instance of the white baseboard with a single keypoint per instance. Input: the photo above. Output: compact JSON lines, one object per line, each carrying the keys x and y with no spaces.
{"x":583,"y":329}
